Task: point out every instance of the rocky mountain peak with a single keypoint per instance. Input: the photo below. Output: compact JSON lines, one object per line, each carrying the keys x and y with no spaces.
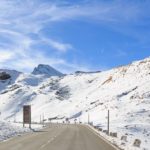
{"x":46,"y":70}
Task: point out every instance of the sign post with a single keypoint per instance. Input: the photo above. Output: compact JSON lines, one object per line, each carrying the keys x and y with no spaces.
{"x":27,"y":115}
{"x":43,"y":119}
{"x":108,"y":122}
{"x":88,"y":118}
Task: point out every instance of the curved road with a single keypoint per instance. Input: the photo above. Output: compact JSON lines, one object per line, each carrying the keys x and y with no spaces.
{"x":58,"y":137}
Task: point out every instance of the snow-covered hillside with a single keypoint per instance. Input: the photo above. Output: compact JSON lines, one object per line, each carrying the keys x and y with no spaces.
{"x":125,"y":91}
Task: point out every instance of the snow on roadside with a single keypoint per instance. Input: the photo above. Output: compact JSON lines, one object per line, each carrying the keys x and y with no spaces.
{"x":8,"y":130}
{"x":131,"y":133}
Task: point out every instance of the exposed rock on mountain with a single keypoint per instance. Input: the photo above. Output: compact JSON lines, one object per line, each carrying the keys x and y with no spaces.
{"x":4,"y":76}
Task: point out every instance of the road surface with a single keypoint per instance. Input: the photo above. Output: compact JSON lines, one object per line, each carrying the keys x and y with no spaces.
{"x":58,"y":137}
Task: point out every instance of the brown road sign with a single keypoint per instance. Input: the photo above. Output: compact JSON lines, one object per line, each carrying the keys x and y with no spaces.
{"x":27,"y":114}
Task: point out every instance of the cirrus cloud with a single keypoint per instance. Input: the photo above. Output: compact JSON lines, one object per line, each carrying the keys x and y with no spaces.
{"x":19,"y":19}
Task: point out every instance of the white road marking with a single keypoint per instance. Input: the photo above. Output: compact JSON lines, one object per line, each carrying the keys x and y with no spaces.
{"x":49,"y":141}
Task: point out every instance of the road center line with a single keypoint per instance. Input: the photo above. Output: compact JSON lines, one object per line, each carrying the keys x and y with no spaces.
{"x":49,"y":141}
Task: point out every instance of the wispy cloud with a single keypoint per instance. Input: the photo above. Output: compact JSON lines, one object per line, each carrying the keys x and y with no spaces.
{"x":62,"y":47}
{"x":5,"y":55}
{"x":18,"y":19}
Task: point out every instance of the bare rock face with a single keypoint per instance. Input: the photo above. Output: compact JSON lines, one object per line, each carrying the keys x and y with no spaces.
{"x":4,"y":76}
{"x":137,"y":143}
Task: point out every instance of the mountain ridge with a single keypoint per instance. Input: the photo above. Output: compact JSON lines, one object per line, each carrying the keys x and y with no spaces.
{"x":43,"y":69}
{"x":125,"y":91}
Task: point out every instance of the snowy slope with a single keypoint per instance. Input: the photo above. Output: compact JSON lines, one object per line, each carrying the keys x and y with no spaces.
{"x":125,"y":91}
{"x":46,"y":70}
{"x":13,"y":76}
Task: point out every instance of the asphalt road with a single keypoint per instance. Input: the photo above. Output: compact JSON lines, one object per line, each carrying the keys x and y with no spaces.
{"x":58,"y":137}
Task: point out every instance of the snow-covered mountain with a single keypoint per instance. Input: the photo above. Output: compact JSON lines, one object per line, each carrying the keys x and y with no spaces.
{"x":46,"y":70}
{"x":125,"y":91}
{"x":8,"y":77}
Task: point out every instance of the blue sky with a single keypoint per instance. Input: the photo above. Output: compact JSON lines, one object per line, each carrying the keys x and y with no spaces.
{"x":73,"y":35}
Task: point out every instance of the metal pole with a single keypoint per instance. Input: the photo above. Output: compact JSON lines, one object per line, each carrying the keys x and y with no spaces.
{"x":88,"y":118}
{"x":108,"y":122}
{"x":23,"y":118}
{"x":43,"y":119}
{"x":30,"y":118}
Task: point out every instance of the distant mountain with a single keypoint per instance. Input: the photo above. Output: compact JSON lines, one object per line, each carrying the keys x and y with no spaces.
{"x":46,"y":70}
